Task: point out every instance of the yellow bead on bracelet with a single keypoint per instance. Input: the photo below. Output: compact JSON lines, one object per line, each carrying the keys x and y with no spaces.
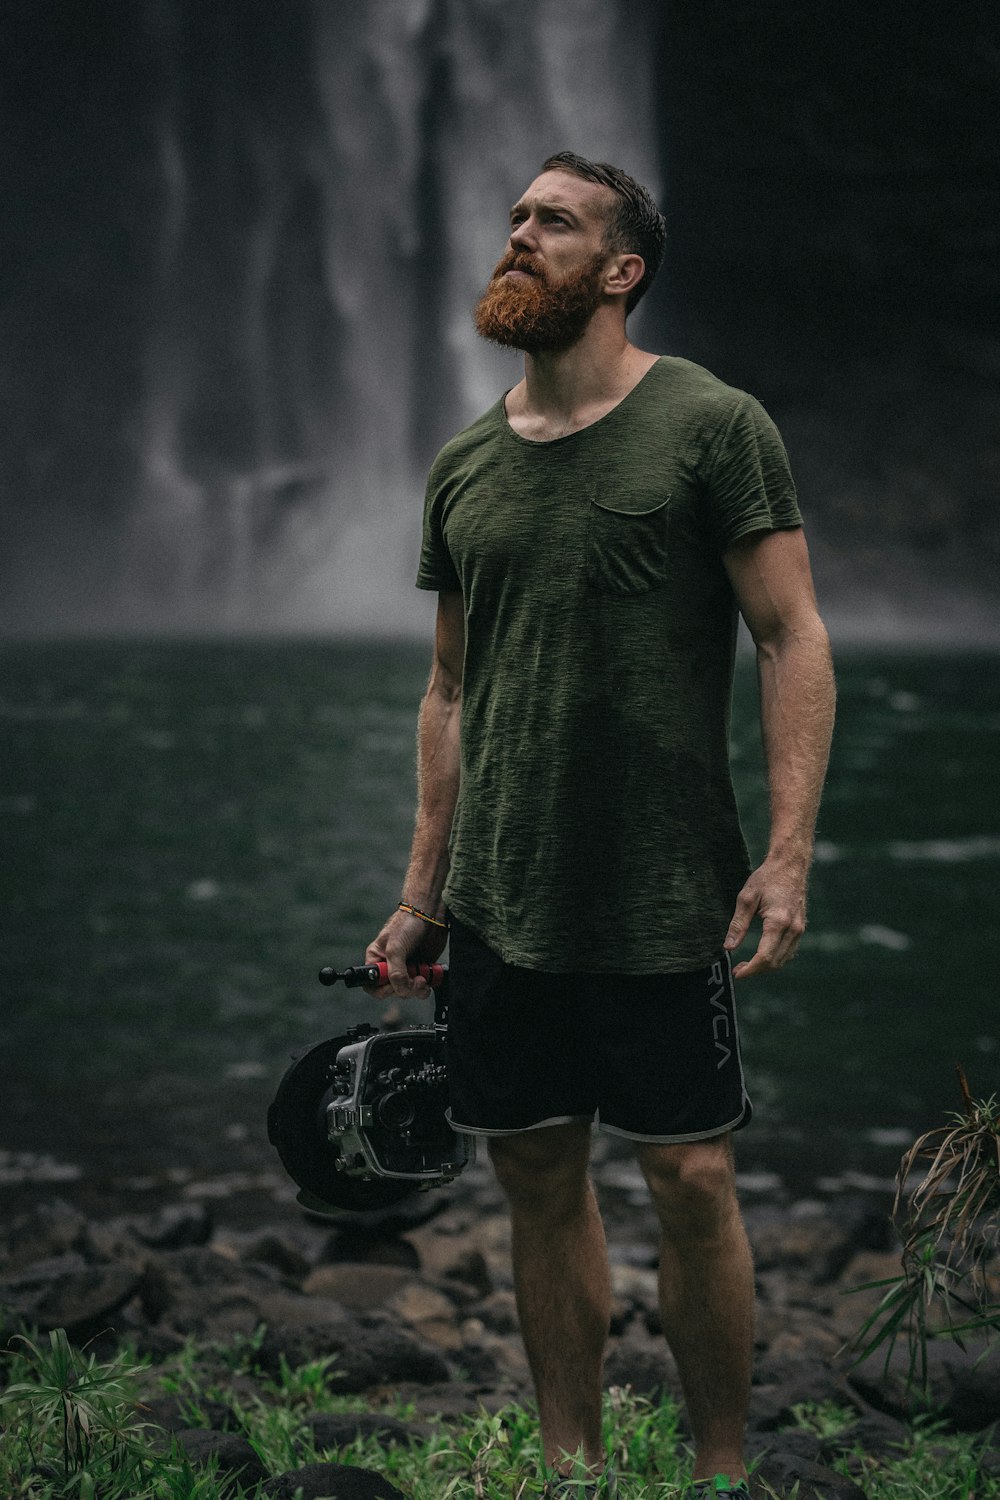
{"x":416,"y":912}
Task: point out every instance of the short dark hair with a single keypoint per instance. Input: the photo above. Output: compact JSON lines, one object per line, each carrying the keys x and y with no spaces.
{"x":635,"y":225}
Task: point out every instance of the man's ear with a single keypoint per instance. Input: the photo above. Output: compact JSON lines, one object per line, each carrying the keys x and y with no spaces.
{"x":624,"y":274}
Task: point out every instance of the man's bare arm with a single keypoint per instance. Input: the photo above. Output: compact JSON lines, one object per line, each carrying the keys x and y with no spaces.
{"x":438,"y":750}
{"x":772,"y":581}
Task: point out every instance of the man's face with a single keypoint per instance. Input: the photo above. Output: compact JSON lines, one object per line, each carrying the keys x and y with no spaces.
{"x":548,"y":284}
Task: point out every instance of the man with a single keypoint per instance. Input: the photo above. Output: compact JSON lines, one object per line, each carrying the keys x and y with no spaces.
{"x":591,"y":538}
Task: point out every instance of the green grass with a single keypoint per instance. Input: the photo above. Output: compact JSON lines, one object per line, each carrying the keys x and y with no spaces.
{"x":74,"y":1429}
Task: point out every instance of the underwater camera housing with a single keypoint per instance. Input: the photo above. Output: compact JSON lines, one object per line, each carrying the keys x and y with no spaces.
{"x":359,"y":1121}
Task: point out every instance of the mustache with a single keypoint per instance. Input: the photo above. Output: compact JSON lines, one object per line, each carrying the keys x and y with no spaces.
{"x":517,"y":260}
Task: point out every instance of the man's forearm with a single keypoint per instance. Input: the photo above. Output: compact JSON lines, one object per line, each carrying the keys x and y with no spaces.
{"x":438,"y":762}
{"x":797,"y":698}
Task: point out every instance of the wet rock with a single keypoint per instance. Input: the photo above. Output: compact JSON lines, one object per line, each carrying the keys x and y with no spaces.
{"x":784,"y":1470}
{"x":196,"y":1290}
{"x":339,"y":1431}
{"x":365,"y":1247}
{"x":331,"y":1482}
{"x":637,"y":1285}
{"x":875,"y":1433}
{"x":174,"y":1415}
{"x":643,"y":1363}
{"x":172,"y":1227}
{"x":49,"y":1230}
{"x":278,"y":1253}
{"x":363,"y":1356}
{"x":859,"y":1293}
{"x":357,"y":1287}
{"x":810,"y":1240}
{"x":431,"y":1314}
{"x":792,"y":1332}
{"x":238,"y":1464}
{"x":498,"y":1312}
{"x":64,"y":1292}
{"x":963,"y":1386}
{"x":783,"y":1384}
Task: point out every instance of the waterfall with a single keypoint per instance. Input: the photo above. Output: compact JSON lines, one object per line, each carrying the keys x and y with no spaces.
{"x":332,"y":185}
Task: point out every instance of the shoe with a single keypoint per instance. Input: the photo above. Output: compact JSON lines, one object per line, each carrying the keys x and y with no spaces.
{"x":719,"y":1488}
{"x":603,"y":1488}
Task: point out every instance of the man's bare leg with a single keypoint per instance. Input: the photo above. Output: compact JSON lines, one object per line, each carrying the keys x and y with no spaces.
{"x":561,"y":1280}
{"x":706,"y":1293}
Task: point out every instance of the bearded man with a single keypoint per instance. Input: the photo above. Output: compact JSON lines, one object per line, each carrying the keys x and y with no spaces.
{"x":591,"y":539}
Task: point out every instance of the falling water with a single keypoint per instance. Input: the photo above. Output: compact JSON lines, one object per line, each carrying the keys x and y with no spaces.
{"x":325,"y":223}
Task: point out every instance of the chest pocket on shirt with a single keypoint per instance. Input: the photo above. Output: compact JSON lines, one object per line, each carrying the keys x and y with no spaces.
{"x":627,"y":549}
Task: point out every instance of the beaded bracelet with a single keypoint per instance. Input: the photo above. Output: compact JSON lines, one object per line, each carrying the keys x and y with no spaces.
{"x":416,"y":912}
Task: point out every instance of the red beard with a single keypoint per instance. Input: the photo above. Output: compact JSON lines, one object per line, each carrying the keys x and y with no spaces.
{"x":533,"y":314}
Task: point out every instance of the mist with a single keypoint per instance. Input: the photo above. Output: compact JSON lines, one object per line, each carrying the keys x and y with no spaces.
{"x":242,"y":244}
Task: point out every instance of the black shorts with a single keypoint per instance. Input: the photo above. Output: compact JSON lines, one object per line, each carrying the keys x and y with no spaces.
{"x":655,"y":1058}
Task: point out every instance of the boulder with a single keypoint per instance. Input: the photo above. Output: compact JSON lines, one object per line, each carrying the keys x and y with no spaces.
{"x":344,"y":1428}
{"x":363,"y":1356}
{"x":64,"y":1292}
{"x":358,"y":1286}
{"x":784,"y":1470}
{"x":330,"y":1482}
{"x":48,"y":1230}
{"x":643,"y":1363}
{"x":238,"y":1464}
{"x":963,"y":1385}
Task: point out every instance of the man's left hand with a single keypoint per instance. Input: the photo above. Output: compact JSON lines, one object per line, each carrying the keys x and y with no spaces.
{"x":776,"y":892}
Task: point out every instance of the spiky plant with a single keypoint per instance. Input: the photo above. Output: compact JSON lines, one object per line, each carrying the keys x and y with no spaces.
{"x":949,"y":1222}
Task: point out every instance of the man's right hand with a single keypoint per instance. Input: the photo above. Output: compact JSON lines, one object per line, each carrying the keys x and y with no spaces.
{"x":405,"y":938}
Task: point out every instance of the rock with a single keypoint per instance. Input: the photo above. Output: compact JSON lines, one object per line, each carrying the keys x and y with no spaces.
{"x":196,"y":1290}
{"x":236,"y":1460}
{"x":357,"y":1287}
{"x":781,"y":1384}
{"x":277,"y":1252}
{"x":174,"y":1415}
{"x":973,"y":1402}
{"x":48,"y":1230}
{"x":963,"y":1386}
{"x":796,"y":1333}
{"x":64,"y":1292}
{"x":811,"y":1242}
{"x":416,"y":1303}
{"x":331,"y":1482}
{"x":784,"y":1470}
{"x":172,"y":1227}
{"x":478,"y":1253}
{"x":333,"y":1432}
{"x":644,"y":1364}
{"x":875,"y":1433}
{"x":364,"y":1356}
{"x":638,"y":1285}
{"x":361,"y":1246}
{"x":860,"y":1298}
{"x":431,"y":1314}
{"x":498,"y":1312}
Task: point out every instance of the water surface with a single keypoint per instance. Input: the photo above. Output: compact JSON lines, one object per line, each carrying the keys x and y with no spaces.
{"x":191,"y":829}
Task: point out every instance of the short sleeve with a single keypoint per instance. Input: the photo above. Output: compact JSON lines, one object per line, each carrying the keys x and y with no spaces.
{"x":748,"y":481}
{"x":436,"y":569}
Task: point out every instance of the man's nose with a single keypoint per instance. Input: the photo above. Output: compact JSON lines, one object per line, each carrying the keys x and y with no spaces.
{"x":522,"y":236}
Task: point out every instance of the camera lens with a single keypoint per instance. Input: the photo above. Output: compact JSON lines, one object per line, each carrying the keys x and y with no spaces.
{"x":395,"y":1110}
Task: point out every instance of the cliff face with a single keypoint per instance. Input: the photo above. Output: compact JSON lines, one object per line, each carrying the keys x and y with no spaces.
{"x":242,"y":241}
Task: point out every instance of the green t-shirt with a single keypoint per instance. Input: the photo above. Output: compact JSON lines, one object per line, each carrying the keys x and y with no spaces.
{"x":596,"y":826}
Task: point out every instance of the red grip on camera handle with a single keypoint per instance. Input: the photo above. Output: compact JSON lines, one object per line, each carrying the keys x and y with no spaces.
{"x":433,"y":973}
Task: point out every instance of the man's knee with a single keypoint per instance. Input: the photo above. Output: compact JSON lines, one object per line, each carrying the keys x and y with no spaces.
{"x":546,"y":1165}
{"x":693,"y":1185}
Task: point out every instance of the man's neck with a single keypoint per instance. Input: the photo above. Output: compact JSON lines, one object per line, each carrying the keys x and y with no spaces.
{"x":566,"y":391}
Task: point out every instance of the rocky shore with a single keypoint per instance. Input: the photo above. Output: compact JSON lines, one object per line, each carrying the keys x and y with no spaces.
{"x":418,"y":1302}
